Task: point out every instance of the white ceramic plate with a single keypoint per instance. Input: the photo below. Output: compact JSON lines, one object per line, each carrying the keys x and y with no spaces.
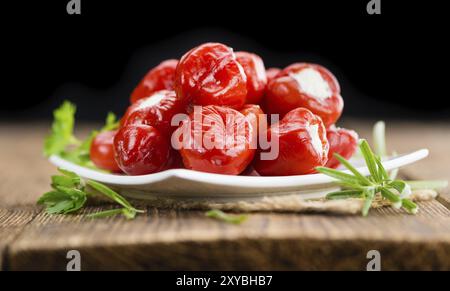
{"x":189,"y":184}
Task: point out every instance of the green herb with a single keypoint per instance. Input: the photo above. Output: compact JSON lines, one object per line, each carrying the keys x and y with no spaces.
{"x":345,"y":194}
{"x":106,"y":191}
{"x":59,"y":201}
{"x":431,"y":184}
{"x":358,"y":186}
{"x":62,"y":141}
{"x":112,"y":212}
{"x":70,"y":193}
{"x":393,"y":173}
{"x":111,"y":122}
{"x":369,"y":194}
{"x":62,"y":130}
{"x":379,"y":138}
{"x":228,"y":218}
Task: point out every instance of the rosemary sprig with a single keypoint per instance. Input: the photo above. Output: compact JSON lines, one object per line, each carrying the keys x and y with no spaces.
{"x":359,"y":186}
{"x":379,"y":138}
{"x":380,"y":148}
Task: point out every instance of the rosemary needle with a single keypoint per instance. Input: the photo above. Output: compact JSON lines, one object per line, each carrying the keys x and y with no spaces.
{"x":360,"y":186}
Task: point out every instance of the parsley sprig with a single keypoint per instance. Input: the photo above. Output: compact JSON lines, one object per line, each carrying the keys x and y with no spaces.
{"x":356,"y":185}
{"x":70,"y":192}
{"x":62,"y":141}
{"x":225,"y":217}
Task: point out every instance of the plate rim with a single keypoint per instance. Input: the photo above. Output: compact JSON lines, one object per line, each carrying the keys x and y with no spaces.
{"x":227,"y":180}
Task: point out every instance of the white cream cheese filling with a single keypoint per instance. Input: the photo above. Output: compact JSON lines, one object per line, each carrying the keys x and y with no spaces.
{"x":313,"y":131}
{"x":312,"y":83}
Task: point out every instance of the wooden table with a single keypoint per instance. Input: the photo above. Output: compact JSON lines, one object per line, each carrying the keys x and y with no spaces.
{"x":186,"y":240}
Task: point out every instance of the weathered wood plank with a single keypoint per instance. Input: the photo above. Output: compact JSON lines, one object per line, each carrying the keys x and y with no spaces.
{"x":12,"y":223}
{"x":189,"y":241}
{"x":444,"y":198}
{"x":245,"y":254}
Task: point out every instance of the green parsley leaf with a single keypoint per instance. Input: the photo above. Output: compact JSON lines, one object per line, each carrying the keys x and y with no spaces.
{"x":62,"y":202}
{"x":62,"y":142}
{"x":61,"y":134}
{"x":228,"y":218}
{"x":69,"y":174}
{"x":111,"y":194}
{"x":106,"y":213}
{"x":65,"y":181}
{"x":111,"y":122}
{"x":70,"y":194}
{"x":113,"y":212}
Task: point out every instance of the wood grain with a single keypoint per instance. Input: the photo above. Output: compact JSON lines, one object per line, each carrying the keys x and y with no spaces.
{"x":172,"y":240}
{"x":12,"y":223}
{"x":187,"y":240}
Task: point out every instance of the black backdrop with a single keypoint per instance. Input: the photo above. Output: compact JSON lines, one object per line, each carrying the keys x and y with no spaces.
{"x":389,"y":65}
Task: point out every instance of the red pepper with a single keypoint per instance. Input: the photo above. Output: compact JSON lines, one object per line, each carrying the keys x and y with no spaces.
{"x":216,"y":139}
{"x":210,"y":75}
{"x":305,"y":85}
{"x":156,"y":110}
{"x":254,"y":115}
{"x":141,"y":149}
{"x":302,"y":145}
{"x":272,"y":73}
{"x":342,"y":141}
{"x":102,"y":151}
{"x":256,"y":76}
{"x":159,"y":78}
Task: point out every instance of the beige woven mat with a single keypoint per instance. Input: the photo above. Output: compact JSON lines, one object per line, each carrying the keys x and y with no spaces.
{"x":284,"y":203}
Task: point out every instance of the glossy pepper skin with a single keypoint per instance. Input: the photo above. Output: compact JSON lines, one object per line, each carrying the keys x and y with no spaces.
{"x":302,"y":145}
{"x":159,"y":78}
{"x":102,"y":151}
{"x":342,"y":141}
{"x":254,"y":115}
{"x":272,"y":73}
{"x":216,"y":140}
{"x":156,"y":110}
{"x":141,"y":149}
{"x":256,"y":76}
{"x":296,"y":86}
{"x":210,"y":75}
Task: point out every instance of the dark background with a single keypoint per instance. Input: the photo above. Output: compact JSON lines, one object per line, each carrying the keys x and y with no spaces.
{"x":392,"y":65}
